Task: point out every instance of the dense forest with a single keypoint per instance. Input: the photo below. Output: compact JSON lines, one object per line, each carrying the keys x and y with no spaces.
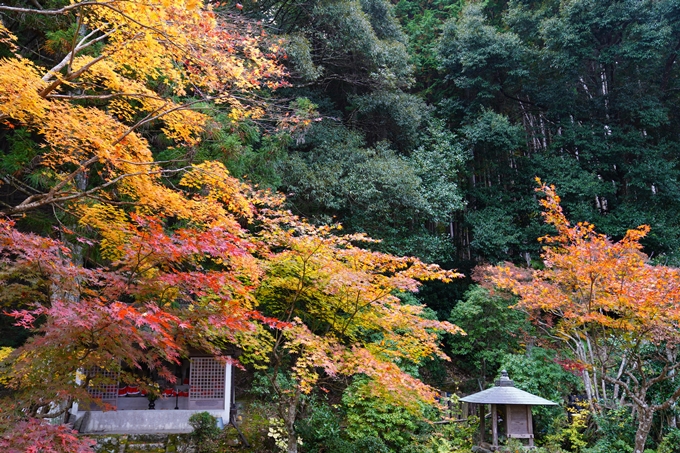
{"x":338,"y":189}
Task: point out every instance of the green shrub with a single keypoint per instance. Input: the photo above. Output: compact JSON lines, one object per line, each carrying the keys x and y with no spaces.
{"x":616,"y":432}
{"x":369,"y":417}
{"x":206,"y":434}
{"x":449,"y":438}
{"x":670,"y":442}
{"x":319,"y":426}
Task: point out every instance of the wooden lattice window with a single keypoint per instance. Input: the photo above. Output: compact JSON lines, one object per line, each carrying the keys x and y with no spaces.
{"x":103,"y":383}
{"x":206,"y":379}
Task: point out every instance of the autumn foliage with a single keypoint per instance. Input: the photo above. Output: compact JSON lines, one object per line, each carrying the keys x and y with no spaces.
{"x":153,"y":258}
{"x":615,"y":310}
{"x":35,"y":437}
{"x":128,"y":65}
{"x":291,"y":290}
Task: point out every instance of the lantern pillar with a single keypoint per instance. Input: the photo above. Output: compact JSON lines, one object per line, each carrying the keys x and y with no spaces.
{"x":494,"y":426}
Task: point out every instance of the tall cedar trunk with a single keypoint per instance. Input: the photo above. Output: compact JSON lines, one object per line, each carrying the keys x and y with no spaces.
{"x":645,"y":418}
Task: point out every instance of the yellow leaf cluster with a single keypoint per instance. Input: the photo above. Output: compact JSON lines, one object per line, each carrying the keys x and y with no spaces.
{"x":110,"y":222}
{"x":134,"y":100}
{"x":5,"y":352}
{"x":7,"y":38}
{"x":20,"y":87}
{"x":218,"y":188}
{"x":184,"y":43}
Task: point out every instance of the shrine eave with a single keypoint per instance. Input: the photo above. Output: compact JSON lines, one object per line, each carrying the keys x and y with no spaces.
{"x":506,"y":395}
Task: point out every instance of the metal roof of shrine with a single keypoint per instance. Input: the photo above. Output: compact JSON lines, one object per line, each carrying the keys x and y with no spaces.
{"x":505,"y":392}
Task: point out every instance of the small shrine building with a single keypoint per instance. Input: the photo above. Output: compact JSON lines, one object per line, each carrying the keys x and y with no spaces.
{"x":202,"y":383}
{"x":510,"y":404}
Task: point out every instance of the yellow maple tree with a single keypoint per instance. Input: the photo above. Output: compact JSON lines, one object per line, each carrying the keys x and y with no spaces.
{"x":344,"y":316}
{"x":128,"y":65}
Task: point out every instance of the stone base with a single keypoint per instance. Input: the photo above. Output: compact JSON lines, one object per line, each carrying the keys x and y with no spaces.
{"x":139,"y":422}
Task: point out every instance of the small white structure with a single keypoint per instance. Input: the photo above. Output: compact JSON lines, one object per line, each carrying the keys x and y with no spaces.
{"x":205,"y":385}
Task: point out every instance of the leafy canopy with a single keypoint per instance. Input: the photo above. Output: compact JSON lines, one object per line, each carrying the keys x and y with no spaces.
{"x":617,"y":312}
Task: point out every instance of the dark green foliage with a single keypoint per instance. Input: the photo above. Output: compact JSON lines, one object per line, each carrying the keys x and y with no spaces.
{"x":378,"y":162}
{"x":493,"y":232}
{"x":591,"y":85}
{"x":493,"y":331}
{"x":390,"y":115}
{"x":320,"y":425}
{"x":335,"y":176}
{"x":616,"y":432}
{"x":21,"y":149}
{"x":423,"y":22}
{"x":322,"y":430}
{"x":349,"y":44}
{"x":538,"y":372}
{"x":476,"y":56}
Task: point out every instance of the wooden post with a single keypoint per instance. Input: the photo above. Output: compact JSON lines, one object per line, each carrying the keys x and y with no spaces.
{"x":531,"y":426}
{"x":482,"y":426}
{"x":494,"y":426}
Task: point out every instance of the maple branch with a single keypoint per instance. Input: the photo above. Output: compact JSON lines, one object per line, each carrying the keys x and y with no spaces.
{"x":68,"y":8}
{"x":138,"y":263}
{"x":40,"y":199}
{"x":71,"y":176}
{"x":159,"y":162}
{"x":626,"y":387}
{"x":18,"y":184}
{"x":52,"y":86}
{"x":108,"y":5}
{"x":666,"y":404}
{"x":113,"y":203}
{"x":68,"y":59}
{"x":37,"y":201}
{"x":74,"y":46}
{"x":94,"y":159}
{"x":51,"y":12}
{"x":151,"y":117}
{"x":102,"y":97}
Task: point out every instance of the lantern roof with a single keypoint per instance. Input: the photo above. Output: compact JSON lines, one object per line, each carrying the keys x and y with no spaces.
{"x":505,"y":392}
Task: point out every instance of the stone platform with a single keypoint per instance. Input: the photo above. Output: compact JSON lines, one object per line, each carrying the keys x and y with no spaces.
{"x":138,"y":421}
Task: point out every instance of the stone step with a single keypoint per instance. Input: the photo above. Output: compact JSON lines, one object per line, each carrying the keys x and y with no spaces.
{"x":137,"y":443}
{"x":142,"y":438}
{"x":145,"y":446}
{"x":146,"y":443}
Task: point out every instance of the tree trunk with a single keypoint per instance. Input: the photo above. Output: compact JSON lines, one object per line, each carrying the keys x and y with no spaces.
{"x":672,"y":357}
{"x":645,"y":418}
{"x":291,"y":415}
{"x":292,"y":443}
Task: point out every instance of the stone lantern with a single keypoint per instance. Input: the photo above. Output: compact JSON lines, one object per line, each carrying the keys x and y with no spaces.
{"x":516,"y":405}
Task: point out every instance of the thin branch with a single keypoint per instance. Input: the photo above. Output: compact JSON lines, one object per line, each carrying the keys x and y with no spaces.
{"x":101,"y":97}
{"x":52,"y":86}
{"x":74,"y":46}
{"x":38,"y":201}
{"x":51,"y":12}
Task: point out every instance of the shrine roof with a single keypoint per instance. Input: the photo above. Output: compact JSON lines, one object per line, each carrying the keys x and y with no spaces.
{"x":505,"y":392}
